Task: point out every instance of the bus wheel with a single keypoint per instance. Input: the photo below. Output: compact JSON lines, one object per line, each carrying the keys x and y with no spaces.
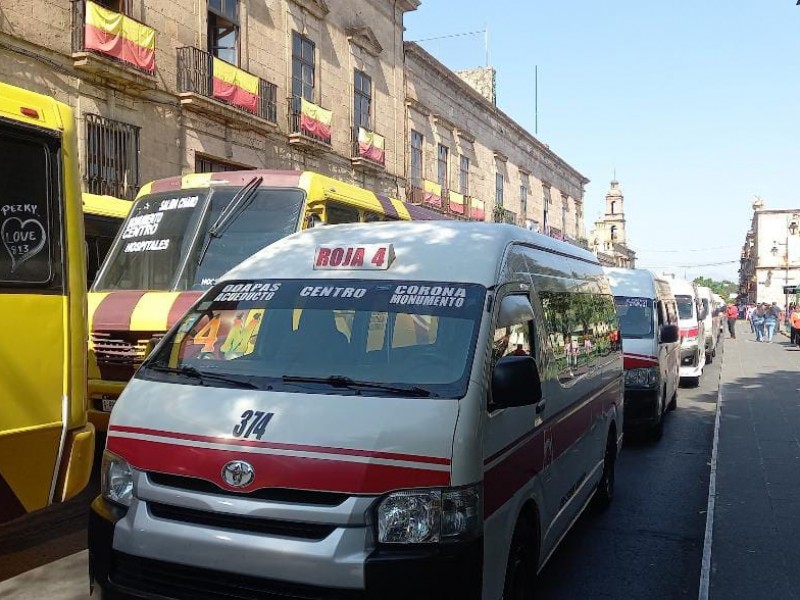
{"x":605,"y":487}
{"x":523,"y":561}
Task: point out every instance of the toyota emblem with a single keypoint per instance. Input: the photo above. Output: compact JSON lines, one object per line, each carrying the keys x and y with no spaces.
{"x":238,"y":473}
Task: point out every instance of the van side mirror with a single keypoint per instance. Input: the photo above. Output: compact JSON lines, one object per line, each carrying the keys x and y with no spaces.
{"x":516,"y":382}
{"x":670,"y":334}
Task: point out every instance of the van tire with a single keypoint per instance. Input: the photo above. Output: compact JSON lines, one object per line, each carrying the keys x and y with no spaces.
{"x":656,"y":432}
{"x":604,"y":494}
{"x":673,"y":403}
{"x":709,"y":358}
{"x":523,"y":561}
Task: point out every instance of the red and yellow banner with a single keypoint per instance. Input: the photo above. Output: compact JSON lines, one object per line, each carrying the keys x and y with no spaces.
{"x":432,"y":193}
{"x":116,"y":35}
{"x":457,"y":203}
{"x":371,"y":146}
{"x":315,"y":120}
{"x":477,"y":210}
{"x":235,"y":86}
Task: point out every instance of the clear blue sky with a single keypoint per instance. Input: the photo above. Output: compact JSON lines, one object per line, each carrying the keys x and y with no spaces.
{"x":695,"y":103}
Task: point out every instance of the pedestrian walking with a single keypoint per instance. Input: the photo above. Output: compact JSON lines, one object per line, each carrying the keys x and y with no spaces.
{"x":748,"y":314}
{"x":794,"y":321}
{"x":732,"y":313}
{"x":771,"y":318}
{"x":758,"y":321}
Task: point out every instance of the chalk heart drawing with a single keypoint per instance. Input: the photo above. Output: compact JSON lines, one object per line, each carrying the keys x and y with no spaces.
{"x":22,"y":239}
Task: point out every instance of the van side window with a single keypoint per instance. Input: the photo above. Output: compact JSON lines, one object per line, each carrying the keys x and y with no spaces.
{"x":661,"y":313}
{"x":580,"y":328}
{"x":514,"y":340}
{"x":672,"y":312}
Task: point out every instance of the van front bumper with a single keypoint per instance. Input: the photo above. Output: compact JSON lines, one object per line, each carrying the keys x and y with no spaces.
{"x":444,"y":572}
{"x":641,"y":409}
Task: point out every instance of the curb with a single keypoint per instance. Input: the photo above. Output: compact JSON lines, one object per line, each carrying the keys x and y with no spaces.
{"x":705,"y":569}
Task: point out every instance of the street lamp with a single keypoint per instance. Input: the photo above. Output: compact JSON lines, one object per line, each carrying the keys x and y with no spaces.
{"x":792,"y":227}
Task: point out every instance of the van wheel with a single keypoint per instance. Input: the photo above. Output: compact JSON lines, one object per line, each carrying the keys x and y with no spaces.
{"x":523,"y":559}
{"x":605,"y":487}
{"x":673,"y":403}
{"x":709,"y":358}
{"x":657,"y":431}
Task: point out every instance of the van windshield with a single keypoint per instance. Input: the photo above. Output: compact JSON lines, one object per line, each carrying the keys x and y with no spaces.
{"x":159,"y":246}
{"x":332,"y":337}
{"x":685,"y":307}
{"x":635,"y":316}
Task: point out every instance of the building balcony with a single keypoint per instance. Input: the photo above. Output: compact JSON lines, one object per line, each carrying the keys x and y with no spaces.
{"x":309,"y":125}
{"x":368,"y":150}
{"x":209,"y":85}
{"x":450,"y":204}
{"x":113,"y":46}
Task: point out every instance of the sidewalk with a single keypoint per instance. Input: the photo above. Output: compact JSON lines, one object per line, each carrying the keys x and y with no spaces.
{"x":65,"y":579}
{"x":756,"y":529}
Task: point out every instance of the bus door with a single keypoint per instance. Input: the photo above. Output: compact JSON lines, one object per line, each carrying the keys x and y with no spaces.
{"x":34,"y":312}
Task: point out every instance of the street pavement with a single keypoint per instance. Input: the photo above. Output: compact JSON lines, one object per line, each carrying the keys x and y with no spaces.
{"x":755,"y":548}
{"x":649,"y":543}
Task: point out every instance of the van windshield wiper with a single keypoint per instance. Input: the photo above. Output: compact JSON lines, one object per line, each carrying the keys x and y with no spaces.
{"x":203,"y":376}
{"x":343,"y":381}
{"x":238,"y":203}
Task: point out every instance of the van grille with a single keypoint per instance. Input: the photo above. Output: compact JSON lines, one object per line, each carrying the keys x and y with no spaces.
{"x":290,"y":529}
{"x":119,"y":353}
{"x":193,"y":484}
{"x":190,"y":583}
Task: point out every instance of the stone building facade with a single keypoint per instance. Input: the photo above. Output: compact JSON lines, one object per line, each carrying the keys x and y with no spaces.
{"x":608,"y":240}
{"x":136,"y":126}
{"x":770,"y":258}
{"x":465,"y":152}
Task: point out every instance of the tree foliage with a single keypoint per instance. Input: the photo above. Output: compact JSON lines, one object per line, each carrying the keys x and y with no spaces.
{"x":721,"y":288}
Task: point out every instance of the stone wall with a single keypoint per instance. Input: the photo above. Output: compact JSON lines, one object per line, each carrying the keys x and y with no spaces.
{"x":36,"y":53}
{"x":483,"y":80}
{"x":447,"y":111}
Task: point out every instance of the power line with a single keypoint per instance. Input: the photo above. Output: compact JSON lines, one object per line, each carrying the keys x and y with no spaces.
{"x":714,"y":264}
{"x":686,"y":250}
{"x":452,"y":35}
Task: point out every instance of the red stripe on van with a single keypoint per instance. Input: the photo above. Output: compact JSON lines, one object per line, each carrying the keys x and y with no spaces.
{"x":274,"y":471}
{"x":638,"y":361}
{"x":115,"y":310}
{"x":548,"y":442}
{"x":434,"y":460}
{"x":182,"y":303}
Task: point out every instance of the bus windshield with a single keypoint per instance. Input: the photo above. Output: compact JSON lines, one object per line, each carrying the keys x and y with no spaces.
{"x":159,"y":246}
{"x":343,"y":337}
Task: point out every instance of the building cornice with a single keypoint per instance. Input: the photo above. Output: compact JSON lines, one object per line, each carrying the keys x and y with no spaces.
{"x":318,"y":8}
{"x":415,"y":50}
{"x":418,"y":106}
{"x":364,"y":38}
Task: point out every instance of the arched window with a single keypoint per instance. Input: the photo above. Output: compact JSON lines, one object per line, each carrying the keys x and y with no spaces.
{"x":613,"y":233}
{"x":613,"y":208}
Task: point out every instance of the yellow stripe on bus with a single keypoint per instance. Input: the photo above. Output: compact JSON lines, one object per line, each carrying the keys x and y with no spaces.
{"x":152,"y":311}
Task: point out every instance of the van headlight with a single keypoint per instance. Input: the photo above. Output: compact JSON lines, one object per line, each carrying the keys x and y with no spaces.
{"x":116,"y":479}
{"x":429,"y":516}
{"x":646,"y":378}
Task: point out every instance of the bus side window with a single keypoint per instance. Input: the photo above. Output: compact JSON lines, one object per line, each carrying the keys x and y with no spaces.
{"x":339,"y":213}
{"x":371,"y":217}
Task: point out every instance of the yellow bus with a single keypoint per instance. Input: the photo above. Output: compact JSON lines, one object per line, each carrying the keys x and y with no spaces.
{"x":46,"y":445}
{"x":102,"y":218}
{"x":184,"y":232}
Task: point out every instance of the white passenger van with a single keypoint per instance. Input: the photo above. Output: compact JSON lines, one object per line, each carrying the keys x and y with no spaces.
{"x":415,"y":410}
{"x":648,"y":320}
{"x":693,"y":354}
{"x":706,"y":306}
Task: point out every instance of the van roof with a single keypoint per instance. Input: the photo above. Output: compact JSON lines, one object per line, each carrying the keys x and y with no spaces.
{"x":50,"y":113}
{"x":632,"y":282}
{"x":682,"y":287}
{"x":106,"y":206}
{"x":457,"y":251}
